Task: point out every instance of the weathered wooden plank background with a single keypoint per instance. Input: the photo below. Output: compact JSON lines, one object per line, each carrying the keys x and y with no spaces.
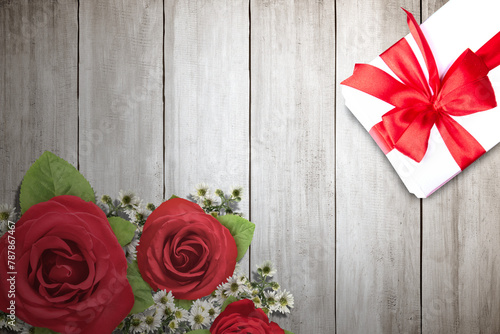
{"x":158,"y":95}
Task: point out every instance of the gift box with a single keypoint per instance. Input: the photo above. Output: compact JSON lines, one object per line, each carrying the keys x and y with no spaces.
{"x":430,"y":100}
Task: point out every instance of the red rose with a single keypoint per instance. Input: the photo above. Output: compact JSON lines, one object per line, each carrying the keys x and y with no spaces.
{"x":71,"y":270}
{"x":184,"y":250}
{"x":243,"y":317}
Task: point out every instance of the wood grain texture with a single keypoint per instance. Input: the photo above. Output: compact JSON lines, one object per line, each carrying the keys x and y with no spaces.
{"x":252,"y":97}
{"x":121,"y":110}
{"x":293,"y":179}
{"x":461,"y":247}
{"x":207,"y":97}
{"x":38,"y":90}
{"x":378,"y":221}
{"x":429,"y":7}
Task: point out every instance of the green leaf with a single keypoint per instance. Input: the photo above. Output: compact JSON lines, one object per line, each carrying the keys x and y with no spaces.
{"x":52,"y":176}
{"x":123,"y":229}
{"x":199,"y":331}
{"x":228,"y":301}
{"x":287,"y":332}
{"x":141,"y":289}
{"x":241,"y":230}
{"x":185,"y":304}
{"x":41,"y":330}
{"x":174,"y":196}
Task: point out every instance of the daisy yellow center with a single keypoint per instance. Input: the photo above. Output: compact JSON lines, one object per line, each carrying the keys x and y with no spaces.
{"x":199,"y":319}
{"x":4,"y":215}
{"x":234,"y":287}
{"x":271,"y":301}
{"x":236,"y":192}
{"x":171,"y":325}
{"x":211,"y":312}
{"x":283,"y":301}
{"x":178,"y":314}
{"x":164,"y":300}
{"x":149,"y":320}
{"x":126,"y":199}
{"x":202,"y":192}
{"x":266,"y":270}
{"x":135,"y":322}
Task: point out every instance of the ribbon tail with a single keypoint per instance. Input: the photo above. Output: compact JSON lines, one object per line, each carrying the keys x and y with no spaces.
{"x":418,"y":35}
{"x":490,"y":52}
{"x":464,"y":148}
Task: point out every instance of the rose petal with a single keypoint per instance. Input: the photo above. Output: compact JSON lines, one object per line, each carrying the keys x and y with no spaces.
{"x":172,"y":207}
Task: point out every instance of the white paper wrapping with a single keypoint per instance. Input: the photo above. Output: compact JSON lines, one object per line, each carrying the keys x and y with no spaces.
{"x":458,"y":25}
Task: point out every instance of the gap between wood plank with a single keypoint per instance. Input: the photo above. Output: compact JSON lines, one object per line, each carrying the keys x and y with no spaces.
{"x":78,"y":85}
{"x":421,"y":229}
{"x":163,"y":102}
{"x":250,"y":131}
{"x":335,"y":166}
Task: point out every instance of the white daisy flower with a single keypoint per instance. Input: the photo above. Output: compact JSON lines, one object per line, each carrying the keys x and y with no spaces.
{"x":209,"y":200}
{"x":173,"y":325}
{"x":139,"y":213}
{"x":267,"y":269}
{"x":257,"y":302}
{"x":151,"y":319}
{"x":220,"y":294}
{"x":142,"y":213}
{"x":285,"y":301}
{"x":163,"y":298}
{"x":214,"y":312}
{"x":201,"y":191}
{"x":241,"y":279}
{"x":7,"y":212}
{"x":202,"y":304}
{"x":198,"y":318}
{"x":236,"y":191}
{"x":233,"y":287}
{"x":128,"y":198}
{"x":271,"y":300}
{"x":168,"y":309}
{"x":181,"y":314}
{"x":131,"y":249}
{"x":136,"y":324}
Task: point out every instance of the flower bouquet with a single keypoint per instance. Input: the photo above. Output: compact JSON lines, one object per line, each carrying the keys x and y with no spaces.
{"x":69,"y":265}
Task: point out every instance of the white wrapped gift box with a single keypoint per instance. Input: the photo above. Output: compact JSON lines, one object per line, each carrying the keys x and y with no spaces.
{"x":457,"y":26}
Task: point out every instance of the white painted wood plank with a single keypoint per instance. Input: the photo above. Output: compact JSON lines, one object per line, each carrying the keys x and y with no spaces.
{"x":121,"y":110}
{"x":461,"y":247}
{"x":378,"y":221}
{"x":38,"y":88}
{"x":293,"y":170}
{"x":207,"y":97}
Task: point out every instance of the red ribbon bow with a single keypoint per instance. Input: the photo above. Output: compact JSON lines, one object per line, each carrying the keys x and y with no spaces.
{"x":420,"y":104}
